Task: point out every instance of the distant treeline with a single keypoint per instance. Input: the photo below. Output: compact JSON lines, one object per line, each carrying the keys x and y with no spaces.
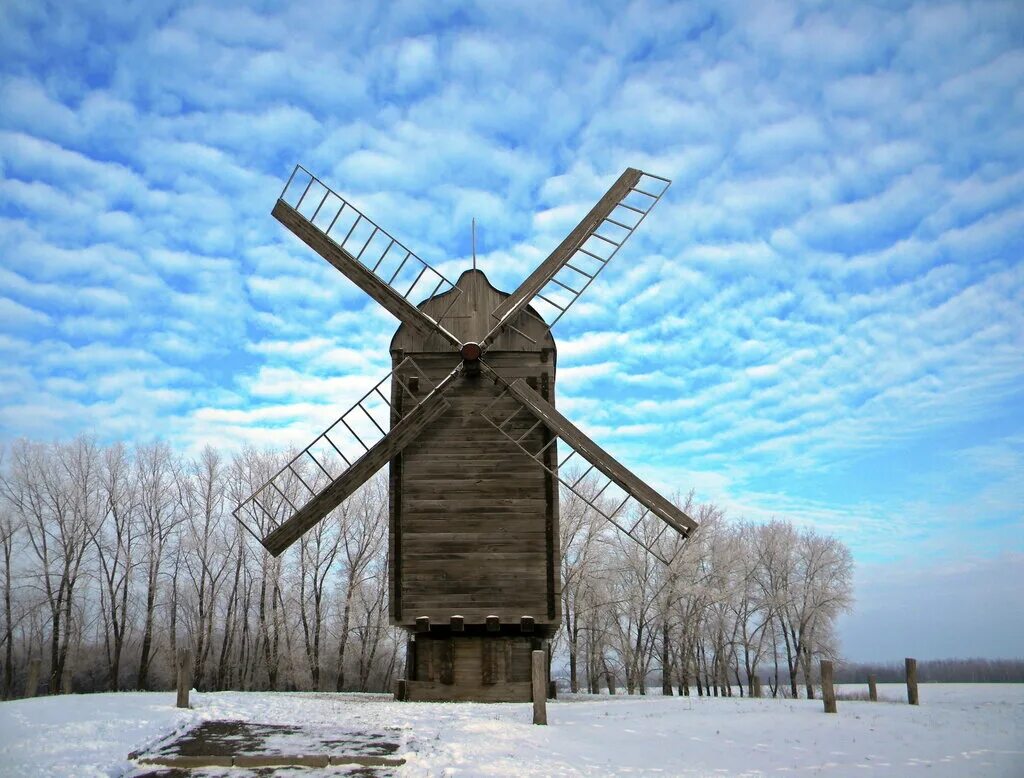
{"x":937,"y":670}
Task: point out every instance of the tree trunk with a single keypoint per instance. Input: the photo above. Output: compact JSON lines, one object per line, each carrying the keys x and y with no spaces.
{"x":142,"y":681}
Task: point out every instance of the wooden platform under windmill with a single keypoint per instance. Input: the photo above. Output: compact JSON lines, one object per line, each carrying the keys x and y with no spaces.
{"x":477,"y":452}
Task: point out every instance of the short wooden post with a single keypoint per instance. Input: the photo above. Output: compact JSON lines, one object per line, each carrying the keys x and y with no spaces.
{"x":493,"y":624}
{"x":912,"y":697}
{"x":401,"y":690}
{"x":538,"y":674}
{"x":32,"y":684}
{"x":458,"y":624}
{"x":757,"y":686}
{"x":423,"y":624}
{"x":184,"y":676}
{"x":873,"y":687}
{"x":828,"y":691}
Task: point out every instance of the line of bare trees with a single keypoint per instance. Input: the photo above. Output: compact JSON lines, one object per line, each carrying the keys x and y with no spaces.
{"x":113,"y":556}
{"x":738,"y":600}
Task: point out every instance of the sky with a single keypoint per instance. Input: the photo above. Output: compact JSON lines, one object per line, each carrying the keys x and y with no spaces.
{"x":823,"y":319}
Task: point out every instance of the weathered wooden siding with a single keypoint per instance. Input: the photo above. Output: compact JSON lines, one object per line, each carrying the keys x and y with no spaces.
{"x":474,"y":522}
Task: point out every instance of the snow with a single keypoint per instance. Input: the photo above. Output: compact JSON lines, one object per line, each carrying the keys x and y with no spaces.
{"x":959,"y":729}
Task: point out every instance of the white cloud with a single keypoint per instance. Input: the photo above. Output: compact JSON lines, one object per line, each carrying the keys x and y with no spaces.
{"x":833,"y":278}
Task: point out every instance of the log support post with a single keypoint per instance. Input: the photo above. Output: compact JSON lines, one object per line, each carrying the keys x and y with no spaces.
{"x":873,"y":687}
{"x":538,"y":676}
{"x":423,"y":624}
{"x":458,"y":624}
{"x":410,"y":660}
{"x":912,"y":697}
{"x":493,"y":624}
{"x":184,"y":676}
{"x":828,"y":690}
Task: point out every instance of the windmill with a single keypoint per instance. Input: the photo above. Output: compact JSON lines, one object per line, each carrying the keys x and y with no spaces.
{"x":467,"y":421}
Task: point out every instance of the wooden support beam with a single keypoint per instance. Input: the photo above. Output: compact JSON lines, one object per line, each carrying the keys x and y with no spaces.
{"x":526,"y":624}
{"x":352,"y":269}
{"x":447,"y":670}
{"x":401,"y":434}
{"x":828,"y":690}
{"x":423,"y":624}
{"x":538,"y":678}
{"x":912,"y":697}
{"x":601,"y":459}
{"x":184,"y":676}
{"x":458,"y":624}
{"x":410,"y":660}
{"x":493,"y":624}
{"x":488,"y":663}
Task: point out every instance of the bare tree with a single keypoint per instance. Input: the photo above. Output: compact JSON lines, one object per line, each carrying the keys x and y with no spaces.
{"x":317,"y":554}
{"x":11,"y":522}
{"x":115,"y":549}
{"x":363,"y":526}
{"x":201,"y":490}
{"x":156,"y":472}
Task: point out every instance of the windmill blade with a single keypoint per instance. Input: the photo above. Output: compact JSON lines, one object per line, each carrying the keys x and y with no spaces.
{"x":366,"y":254}
{"x":341,"y":458}
{"x":567,"y":272}
{"x":624,"y":500}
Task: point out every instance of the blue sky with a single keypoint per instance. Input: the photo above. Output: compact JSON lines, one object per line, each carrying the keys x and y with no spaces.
{"x":823,"y":320}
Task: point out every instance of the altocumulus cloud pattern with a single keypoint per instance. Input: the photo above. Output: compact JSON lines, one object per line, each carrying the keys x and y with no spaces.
{"x":823,"y":319}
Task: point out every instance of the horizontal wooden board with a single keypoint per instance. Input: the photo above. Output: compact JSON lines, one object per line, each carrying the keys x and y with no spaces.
{"x":425,"y":691}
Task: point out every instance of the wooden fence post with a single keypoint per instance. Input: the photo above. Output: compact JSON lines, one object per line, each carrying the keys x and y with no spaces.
{"x":828,"y":691}
{"x":539,"y":676}
{"x":184,"y":676}
{"x":873,"y":687}
{"x":32,"y":684}
{"x":757,"y":686}
{"x":912,"y":697}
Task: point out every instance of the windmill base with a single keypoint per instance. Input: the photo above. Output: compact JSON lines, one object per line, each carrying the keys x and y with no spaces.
{"x":466,"y":667}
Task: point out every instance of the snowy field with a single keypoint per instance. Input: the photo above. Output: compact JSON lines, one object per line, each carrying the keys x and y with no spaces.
{"x":960,"y":729}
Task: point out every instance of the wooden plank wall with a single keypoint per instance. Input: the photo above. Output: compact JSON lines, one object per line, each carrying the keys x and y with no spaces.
{"x":474,"y":522}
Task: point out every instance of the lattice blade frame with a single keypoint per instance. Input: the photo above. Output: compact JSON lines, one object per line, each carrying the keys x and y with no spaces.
{"x":620,"y":487}
{"x":366,"y":253}
{"x":573,"y":266}
{"x":336,"y":451}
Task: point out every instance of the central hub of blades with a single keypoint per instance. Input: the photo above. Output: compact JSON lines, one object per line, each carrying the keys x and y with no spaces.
{"x":471,"y":351}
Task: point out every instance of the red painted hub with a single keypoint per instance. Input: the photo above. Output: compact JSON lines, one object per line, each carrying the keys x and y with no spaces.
{"x":470,"y":351}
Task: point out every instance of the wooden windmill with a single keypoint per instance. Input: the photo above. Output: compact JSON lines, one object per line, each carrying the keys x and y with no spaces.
{"x":467,"y":421}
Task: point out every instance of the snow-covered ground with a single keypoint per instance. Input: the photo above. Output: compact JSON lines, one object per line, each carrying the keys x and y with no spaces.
{"x":959,"y":729}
